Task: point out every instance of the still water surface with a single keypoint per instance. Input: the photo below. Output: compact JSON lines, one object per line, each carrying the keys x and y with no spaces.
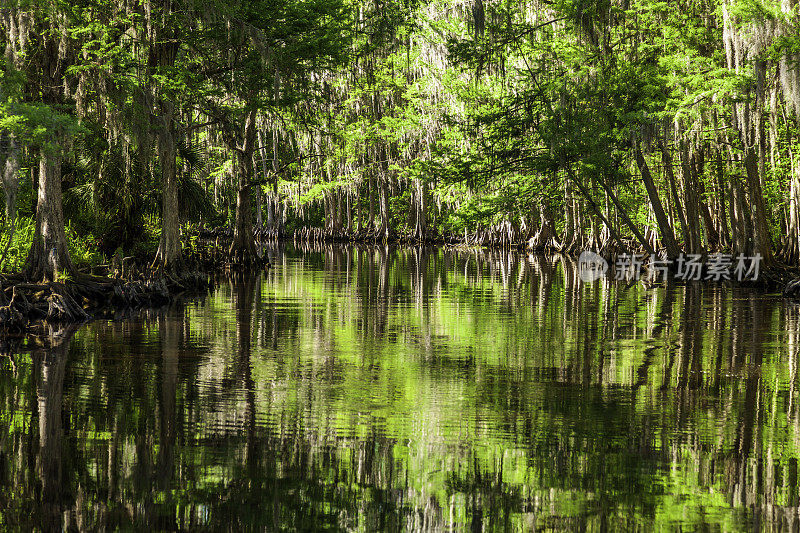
{"x":412,"y":389}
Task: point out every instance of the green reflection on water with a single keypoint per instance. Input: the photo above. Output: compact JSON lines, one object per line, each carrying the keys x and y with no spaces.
{"x":377,"y":389}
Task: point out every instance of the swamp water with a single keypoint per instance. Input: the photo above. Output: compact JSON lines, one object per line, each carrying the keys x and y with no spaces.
{"x":412,"y":389}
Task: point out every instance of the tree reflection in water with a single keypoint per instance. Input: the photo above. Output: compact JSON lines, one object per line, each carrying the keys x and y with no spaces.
{"x":376,"y":388}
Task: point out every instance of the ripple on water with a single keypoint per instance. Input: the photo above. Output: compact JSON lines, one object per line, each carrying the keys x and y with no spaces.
{"x":372,"y":388}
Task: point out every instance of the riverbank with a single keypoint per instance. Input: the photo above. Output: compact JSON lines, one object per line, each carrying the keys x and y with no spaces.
{"x":124,"y":283}
{"x":773,"y":276}
{"x":127,"y":283}
{"x":24,"y":306}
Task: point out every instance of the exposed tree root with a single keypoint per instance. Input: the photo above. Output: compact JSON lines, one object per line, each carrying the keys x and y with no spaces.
{"x":504,"y":236}
{"x":25,"y":305}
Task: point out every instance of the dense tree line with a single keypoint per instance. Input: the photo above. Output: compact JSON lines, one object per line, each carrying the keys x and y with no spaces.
{"x":605,"y":124}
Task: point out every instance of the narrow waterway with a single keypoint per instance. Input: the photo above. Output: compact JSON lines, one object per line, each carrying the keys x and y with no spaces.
{"x":412,"y":389}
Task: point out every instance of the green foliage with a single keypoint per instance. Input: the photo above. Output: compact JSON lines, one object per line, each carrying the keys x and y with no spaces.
{"x":502,"y":110}
{"x":17,"y":249}
{"x":36,"y":124}
{"x":82,"y":248}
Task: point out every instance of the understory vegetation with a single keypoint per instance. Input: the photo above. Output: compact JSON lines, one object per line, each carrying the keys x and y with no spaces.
{"x":611,"y":125}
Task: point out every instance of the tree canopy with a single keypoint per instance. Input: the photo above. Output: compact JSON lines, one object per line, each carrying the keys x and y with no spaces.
{"x":612,"y":125}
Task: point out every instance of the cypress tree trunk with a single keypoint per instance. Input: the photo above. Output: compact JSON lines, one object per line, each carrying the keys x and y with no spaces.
{"x":625,"y":218}
{"x":741,"y":219}
{"x":163,"y":49}
{"x":259,"y":220}
{"x":339,"y":213}
{"x":421,"y":209}
{"x":666,"y":159}
{"x":243,"y":247}
{"x":270,"y":213}
{"x":593,"y":205}
{"x":168,"y":256}
{"x":792,"y":251}
{"x":265,"y":172}
{"x":547,"y":233}
{"x":384,"y":199}
{"x":326,"y":207}
{"x":349,"y":213}
{"x":383,"y":191}
{"x":737,"y":234}
{"x":762,"y":241}
{"x":411,"y":214}
{"x":698,"y":164}
{"x":371,"y":219}
{"x":359,"y":214}
{"x":10,"y":154}
{"x":692,"y":232}
{"x":725,"y":238}
{"x":568,"y":241}
{"x":49,"y":256}
{"x":712,"y":235}
{"x":667,"y":235}
{"x":10,"y":177}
